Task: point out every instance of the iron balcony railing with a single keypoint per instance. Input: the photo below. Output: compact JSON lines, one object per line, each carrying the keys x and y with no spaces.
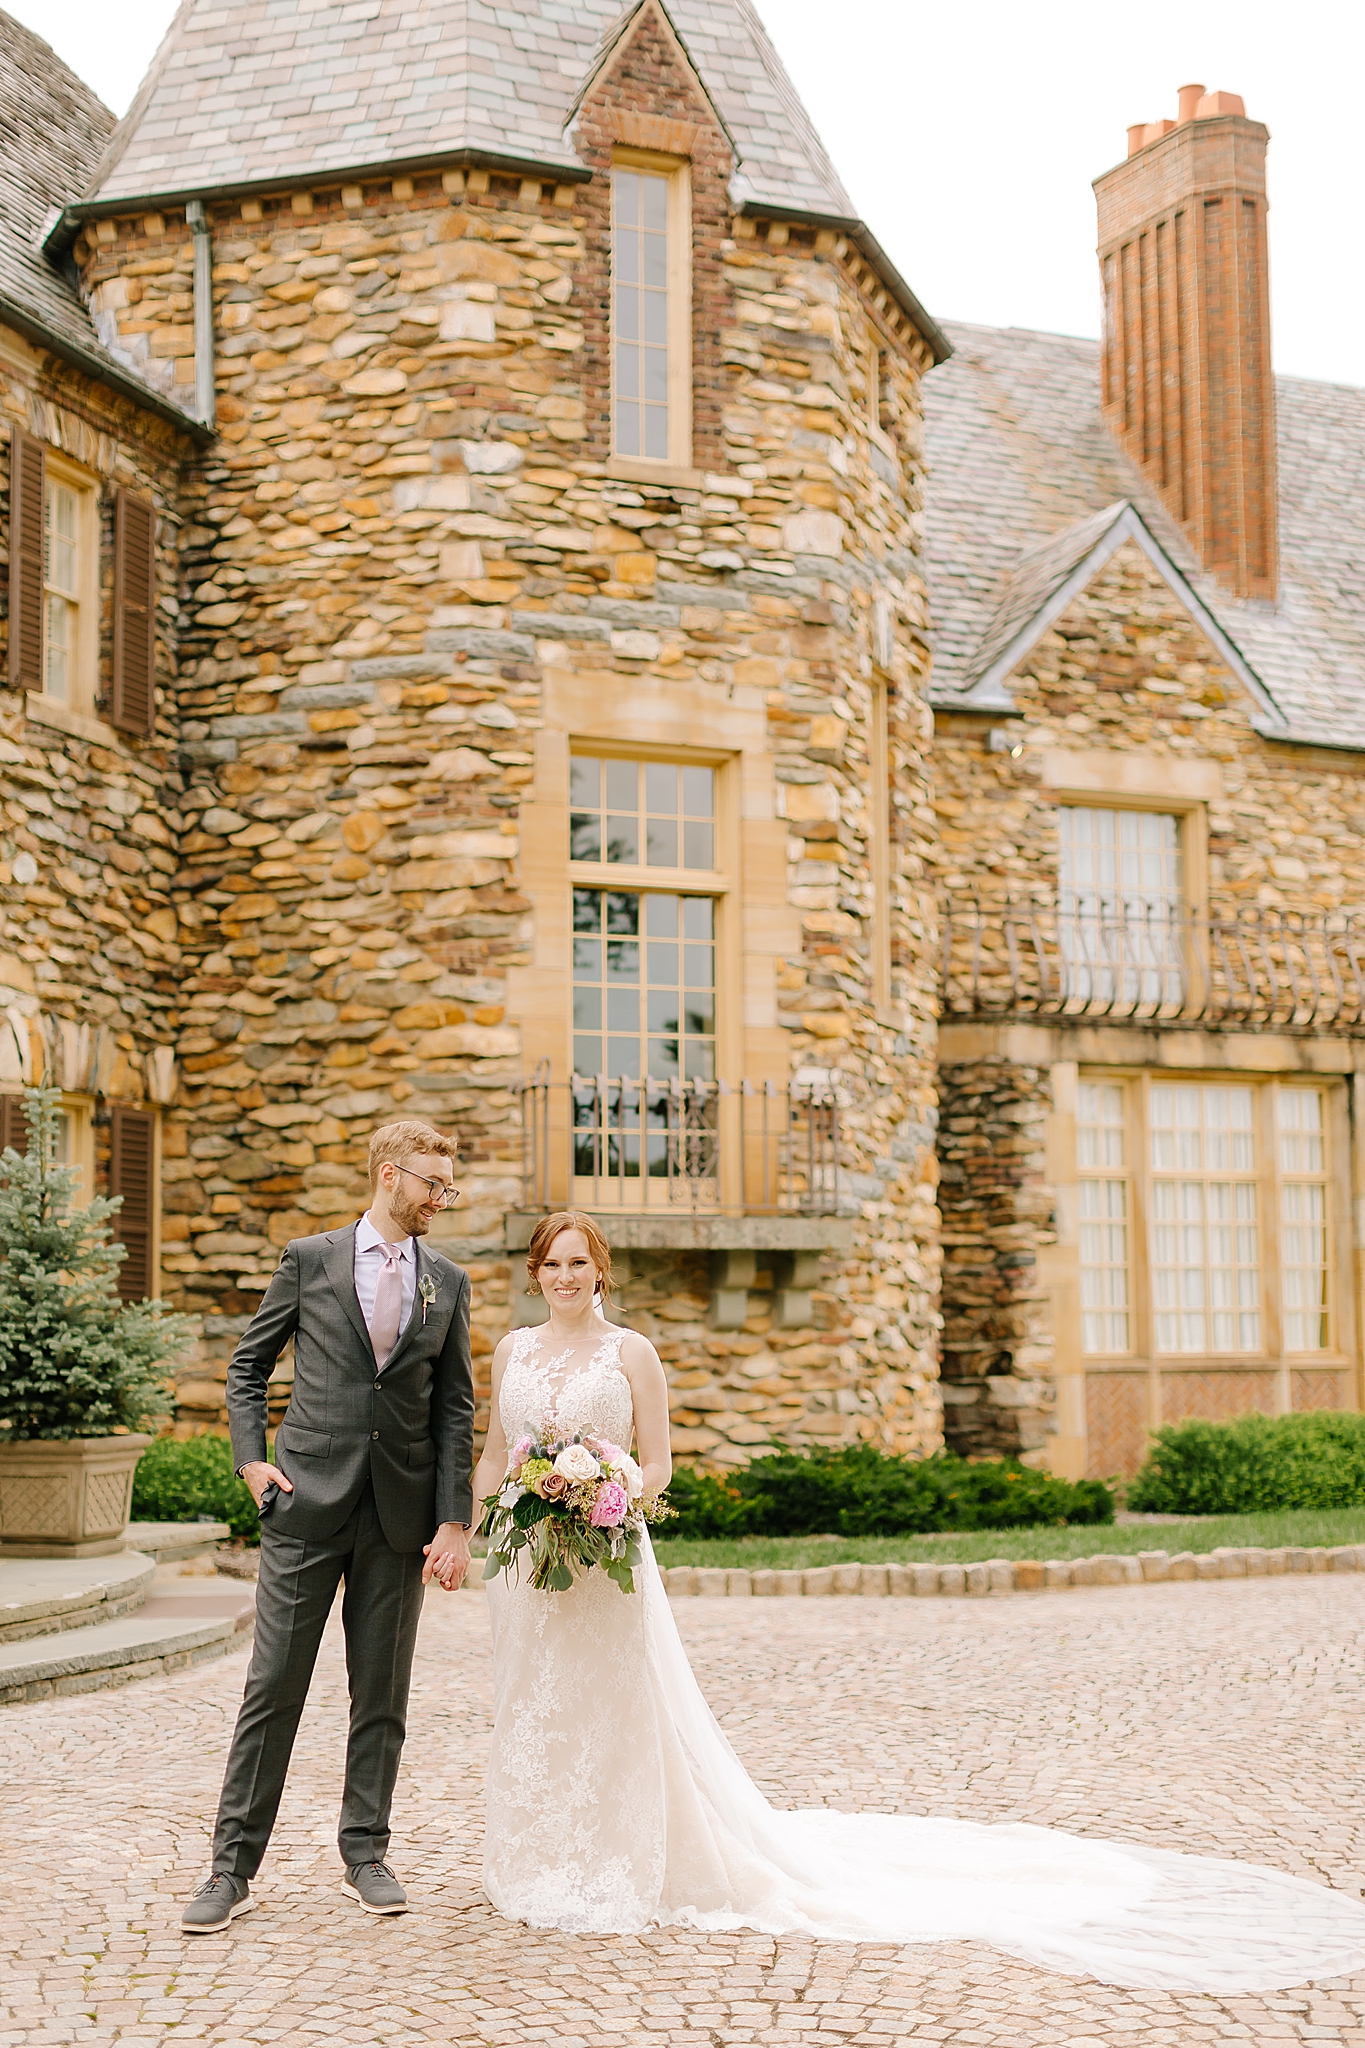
{"x":1134,"y":961}
{"x":745,"y":1148}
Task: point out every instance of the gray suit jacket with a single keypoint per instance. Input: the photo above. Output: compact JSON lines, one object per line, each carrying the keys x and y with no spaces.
{"x":408,"y":1427}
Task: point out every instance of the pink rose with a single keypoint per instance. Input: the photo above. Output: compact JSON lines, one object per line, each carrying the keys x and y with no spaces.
{"x":521,"y":1451}
{"x":609,"y":1508}
{"x":551,"y":1485}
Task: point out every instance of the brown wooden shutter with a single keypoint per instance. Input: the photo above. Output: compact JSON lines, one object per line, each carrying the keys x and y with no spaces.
{"x":27,"y":479}
{"x":132,"y":705}
{"x":132,"y":1140}
{"x":13,"y":1123}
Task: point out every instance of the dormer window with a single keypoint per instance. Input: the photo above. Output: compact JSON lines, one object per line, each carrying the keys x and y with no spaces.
{"x":651,"y":240}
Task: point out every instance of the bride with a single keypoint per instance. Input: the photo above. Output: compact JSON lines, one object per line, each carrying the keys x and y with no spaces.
{"x":615,"y":1802}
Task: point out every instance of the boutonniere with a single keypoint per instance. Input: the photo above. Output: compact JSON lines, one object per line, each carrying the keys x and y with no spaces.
{"x":426,"y":1287}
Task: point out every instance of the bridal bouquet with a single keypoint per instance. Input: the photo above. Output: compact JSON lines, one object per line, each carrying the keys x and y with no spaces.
{"x":570,"y":1507}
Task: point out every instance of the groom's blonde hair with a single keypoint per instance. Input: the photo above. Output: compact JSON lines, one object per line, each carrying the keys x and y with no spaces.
{"x":392,"y":1144}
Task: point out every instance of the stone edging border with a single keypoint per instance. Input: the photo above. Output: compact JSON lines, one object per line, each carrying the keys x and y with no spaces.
{"x":997,"y":1575}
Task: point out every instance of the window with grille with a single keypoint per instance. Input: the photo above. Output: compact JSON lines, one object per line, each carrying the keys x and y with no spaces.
{"x":1201,"y":1205}
{"x":61,"y":590}
{"x":650,"y":312}
{"x":1120,"y":904}
{"x":1303,"y":1218}
{"x":1105,"y":1209}
{"x":1206,"y":1263}
{"x":644,"y":966}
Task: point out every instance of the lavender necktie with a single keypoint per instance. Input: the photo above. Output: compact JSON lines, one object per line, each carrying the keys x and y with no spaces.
{"x":388,"y":1305}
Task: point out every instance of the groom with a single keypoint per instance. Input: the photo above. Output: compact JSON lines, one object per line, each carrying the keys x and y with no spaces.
{"x":371,"y":1475}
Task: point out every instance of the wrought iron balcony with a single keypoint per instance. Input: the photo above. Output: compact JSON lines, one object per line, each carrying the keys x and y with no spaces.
{"x":745,"y":1148}
{"x":1136,"y":962}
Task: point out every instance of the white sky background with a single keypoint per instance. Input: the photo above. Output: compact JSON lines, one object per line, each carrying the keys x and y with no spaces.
{"x":968,"y":136}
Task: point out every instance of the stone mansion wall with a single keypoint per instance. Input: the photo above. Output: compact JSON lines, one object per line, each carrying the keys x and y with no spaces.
{"x":1122,"y":704}
{"x":411,"y":574}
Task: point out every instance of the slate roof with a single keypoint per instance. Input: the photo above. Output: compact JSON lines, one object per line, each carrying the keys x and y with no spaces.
{"x":1024,"y":476}
{"x":249,"y":91}
{"x":53,"y":130}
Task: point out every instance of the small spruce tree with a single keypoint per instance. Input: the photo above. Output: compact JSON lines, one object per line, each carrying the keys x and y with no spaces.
{"x":74,"y":1360}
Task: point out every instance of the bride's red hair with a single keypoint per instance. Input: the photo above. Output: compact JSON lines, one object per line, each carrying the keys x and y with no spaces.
{"x":553,"y":1226}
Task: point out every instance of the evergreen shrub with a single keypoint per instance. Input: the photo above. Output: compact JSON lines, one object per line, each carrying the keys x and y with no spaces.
{"x":1254,"y":1463}
{"x":178,"y":1480}
{"x":75,"y":1361}
{"x":861,"y":1491}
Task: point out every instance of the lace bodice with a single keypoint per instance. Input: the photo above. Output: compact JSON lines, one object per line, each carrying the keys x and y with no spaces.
{"x":539,"y":1398}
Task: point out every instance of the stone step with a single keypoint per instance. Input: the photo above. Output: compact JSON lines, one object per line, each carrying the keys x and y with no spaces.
{"x":42,"y":1596}
{"x":174,"y":1542}
{"x":175,"y":1626}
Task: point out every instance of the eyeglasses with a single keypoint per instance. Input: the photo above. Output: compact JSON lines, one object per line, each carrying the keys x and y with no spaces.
{"x":441,"y":1192}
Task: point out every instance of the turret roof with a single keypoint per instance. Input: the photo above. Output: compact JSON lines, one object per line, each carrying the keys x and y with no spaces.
{"x":250,"y":92}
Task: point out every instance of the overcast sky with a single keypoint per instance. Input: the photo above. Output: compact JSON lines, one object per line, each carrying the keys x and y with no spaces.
{"x":968,"y":136}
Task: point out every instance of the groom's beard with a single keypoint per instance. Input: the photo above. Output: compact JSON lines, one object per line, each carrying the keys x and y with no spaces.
{"x":410,"y":1216}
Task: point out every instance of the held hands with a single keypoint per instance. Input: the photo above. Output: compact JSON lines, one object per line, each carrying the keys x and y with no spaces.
{"x":447,"y":1557}
{"x":258,"y":1475}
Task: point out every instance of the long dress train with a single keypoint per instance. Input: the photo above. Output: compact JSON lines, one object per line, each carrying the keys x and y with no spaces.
{"x":615,"y":1803}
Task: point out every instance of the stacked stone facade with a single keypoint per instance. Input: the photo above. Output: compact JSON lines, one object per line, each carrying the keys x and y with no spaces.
{"x":407,"y":538}
{"x":1126,"y":694}
{"x":91,"y":961}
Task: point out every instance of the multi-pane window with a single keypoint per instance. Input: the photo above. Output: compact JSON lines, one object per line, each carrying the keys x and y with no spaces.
{"x":1120,"y":903}
{"x":644,"y":989}
{"x":642,"y":813}
{"x":61,"y":591}
{"x":640,"y":208}
{"x":1105,"y":1203}
{"x":1303,"y":1218}
{"x":1206,"y":1269}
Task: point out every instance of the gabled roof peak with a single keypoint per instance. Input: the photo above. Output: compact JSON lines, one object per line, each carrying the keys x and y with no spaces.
{"x":1043,"y":582}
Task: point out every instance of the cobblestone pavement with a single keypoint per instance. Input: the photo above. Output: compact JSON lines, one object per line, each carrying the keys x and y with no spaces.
{"x":1221,"y":1717}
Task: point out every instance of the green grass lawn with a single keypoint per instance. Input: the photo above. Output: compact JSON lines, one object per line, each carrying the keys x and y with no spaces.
{"x":1308,"y":1528}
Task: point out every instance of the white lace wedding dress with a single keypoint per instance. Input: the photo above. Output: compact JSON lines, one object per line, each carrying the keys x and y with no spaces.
{"x":615,"y":1803}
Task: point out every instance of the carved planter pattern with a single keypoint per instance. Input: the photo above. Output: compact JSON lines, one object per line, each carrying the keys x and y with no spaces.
{"x":67,"y":1499}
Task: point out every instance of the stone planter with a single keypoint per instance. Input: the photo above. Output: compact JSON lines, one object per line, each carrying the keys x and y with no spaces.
{"x":67,"y":1499}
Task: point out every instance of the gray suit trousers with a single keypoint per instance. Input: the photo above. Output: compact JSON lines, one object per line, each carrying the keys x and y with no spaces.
{"x":380,"y":1611}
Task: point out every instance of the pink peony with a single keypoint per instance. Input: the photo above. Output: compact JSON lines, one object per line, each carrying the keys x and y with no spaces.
{"x":609,"y":1508}
{"x":551,"y":1485}
{"x":521,"y":1451}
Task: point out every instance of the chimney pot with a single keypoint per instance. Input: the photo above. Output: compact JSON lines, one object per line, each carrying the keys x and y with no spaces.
{"x":1220,"y":103}
{"x":1137,"y":135}
{"x":1190,"y":96}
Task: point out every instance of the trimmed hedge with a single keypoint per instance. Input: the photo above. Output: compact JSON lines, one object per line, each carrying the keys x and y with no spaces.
{"x":860,"y":1491}
{"x":180,"y":1479}
{"x":1257,"y":1462}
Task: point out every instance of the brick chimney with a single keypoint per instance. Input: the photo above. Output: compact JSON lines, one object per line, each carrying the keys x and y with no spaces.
{"x":1186,"y":377}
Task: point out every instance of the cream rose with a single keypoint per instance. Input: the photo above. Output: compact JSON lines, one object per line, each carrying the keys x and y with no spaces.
{"x":631,"y":1477}
{"x":576,"y":1461}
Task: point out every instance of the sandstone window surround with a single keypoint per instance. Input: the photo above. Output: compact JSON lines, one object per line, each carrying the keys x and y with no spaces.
{"x":1209,"y":1215}
{"x":648,"y":907}
{"x":55,"y":595}
{"x":75,"y":1135}
{"x":69,"y":660}
{"x":651,"y":308}
{"x":879,"y":836}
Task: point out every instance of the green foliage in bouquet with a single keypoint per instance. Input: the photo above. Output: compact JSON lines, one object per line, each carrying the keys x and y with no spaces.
{"x":182,"y":1480}
{"x":558,"y":1547}
{"x":1256,"y":1463}
{"x":75,"y":1361}
{"x":861,"y":1491}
